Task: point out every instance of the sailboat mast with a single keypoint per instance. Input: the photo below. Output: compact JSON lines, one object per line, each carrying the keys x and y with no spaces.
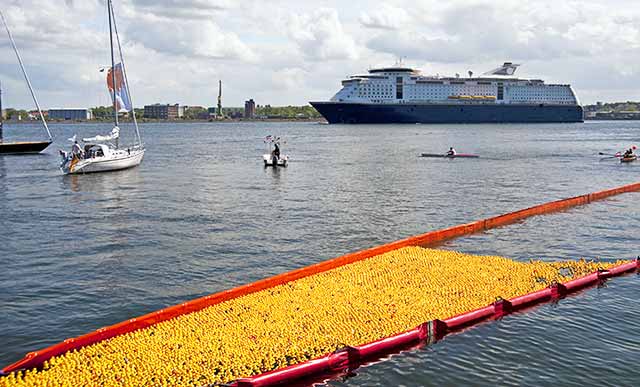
{"x":113,"y":67}
{"x":1,"y":112}
{"x":126,"y":80}
{"x":26,"y":77}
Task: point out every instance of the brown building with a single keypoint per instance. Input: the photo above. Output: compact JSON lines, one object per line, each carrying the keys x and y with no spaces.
{"x":163,"y":111}
{"x":249,"y":109}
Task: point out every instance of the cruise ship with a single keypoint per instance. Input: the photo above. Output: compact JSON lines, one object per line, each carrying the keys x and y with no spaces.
{"x":403,"y":95}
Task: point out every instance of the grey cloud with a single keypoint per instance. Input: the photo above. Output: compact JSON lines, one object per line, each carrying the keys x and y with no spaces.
{"x":189,"y":9}
{"x":180,"y":37}
{"x":321,"y":36}
{"x":386,"y":17}
{"x":478,"y":33}
{"x":173,"y":48}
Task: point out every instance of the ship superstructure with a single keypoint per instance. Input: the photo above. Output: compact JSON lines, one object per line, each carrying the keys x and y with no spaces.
{"x":401,"y":94}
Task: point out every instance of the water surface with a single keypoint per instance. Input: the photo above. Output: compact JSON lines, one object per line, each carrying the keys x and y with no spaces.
{"x":201,"y":215}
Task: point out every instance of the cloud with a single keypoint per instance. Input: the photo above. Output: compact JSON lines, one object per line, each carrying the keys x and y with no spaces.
{"x":52,"y":27}
{"x":190,"y":9}
{"x":320,"y":35}
{"x":289,"y":79}
{"x":478,"y":33}
{"x":289,"y":52}
{"x":385,"y":17}
{"x":182,"y":37}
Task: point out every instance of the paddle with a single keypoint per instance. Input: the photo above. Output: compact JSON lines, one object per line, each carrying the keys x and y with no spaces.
{"x":609,"y":154}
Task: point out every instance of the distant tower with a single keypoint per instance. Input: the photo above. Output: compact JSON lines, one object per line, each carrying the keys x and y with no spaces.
{"x":220,"y":99}
{"x":249,"y":109}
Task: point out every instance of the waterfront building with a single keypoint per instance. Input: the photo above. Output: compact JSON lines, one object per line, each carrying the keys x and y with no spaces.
{"x":163,"y":111}
{"x":70,"y":114}
{"x":403,"y":95}
{"x":35,"y":115}
{"x":249,"y":109}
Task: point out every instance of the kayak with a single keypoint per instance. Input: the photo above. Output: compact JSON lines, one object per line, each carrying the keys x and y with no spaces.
{"x":628,"y":159}
{"x":457,"y":155}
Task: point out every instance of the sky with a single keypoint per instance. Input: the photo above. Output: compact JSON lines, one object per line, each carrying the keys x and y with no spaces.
{"x":282,"y":52}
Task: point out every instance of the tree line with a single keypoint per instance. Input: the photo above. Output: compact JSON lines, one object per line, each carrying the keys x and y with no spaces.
{"x":629,"y":106}
{"x":105,"y":113}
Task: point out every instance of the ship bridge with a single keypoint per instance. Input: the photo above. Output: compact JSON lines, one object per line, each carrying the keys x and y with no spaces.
{"x":393,"y":70}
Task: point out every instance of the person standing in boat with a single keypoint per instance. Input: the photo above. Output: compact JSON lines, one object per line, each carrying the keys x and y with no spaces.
{"x":451,"y":152}
{"x":276,"y":151}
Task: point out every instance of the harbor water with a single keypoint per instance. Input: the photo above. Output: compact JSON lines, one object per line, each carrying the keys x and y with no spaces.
{"x":201,"y":214}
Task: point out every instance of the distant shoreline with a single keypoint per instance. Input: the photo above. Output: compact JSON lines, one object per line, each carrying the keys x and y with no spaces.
{"x":146,"y":120}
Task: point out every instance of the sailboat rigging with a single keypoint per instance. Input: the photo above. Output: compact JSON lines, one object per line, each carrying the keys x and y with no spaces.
{"x":23,"y":147}
{"x":103,"y":153}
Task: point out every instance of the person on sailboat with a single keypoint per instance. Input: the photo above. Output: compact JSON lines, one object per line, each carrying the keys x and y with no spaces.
{"x":451,"y":152}
{"x":76,"y":150}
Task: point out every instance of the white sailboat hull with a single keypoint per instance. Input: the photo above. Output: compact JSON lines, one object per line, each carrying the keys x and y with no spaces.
{"x":118,"y":160}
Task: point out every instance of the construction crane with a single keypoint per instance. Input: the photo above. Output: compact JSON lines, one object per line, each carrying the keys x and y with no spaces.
{"x":220,"y":99}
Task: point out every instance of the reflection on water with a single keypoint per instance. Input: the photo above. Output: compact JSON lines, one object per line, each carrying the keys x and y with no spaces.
{"x":104,"y":184}
{"x":202,"y":214}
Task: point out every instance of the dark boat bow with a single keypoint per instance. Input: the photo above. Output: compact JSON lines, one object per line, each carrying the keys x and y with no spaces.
{"x":23,"y":147}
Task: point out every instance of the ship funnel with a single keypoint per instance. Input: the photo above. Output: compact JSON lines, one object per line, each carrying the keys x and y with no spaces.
{"x":507,"y":68}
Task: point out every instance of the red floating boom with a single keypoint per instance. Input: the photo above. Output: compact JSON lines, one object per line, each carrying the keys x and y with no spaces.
{"x":353,"y":357}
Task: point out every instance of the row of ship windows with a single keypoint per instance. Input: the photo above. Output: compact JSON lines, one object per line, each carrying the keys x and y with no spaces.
{"x":526,"y":94}
{"x":542,"y":99}
{"x":465,"y":92}
{"x":436,"y":94}
{"x":468,"y":87}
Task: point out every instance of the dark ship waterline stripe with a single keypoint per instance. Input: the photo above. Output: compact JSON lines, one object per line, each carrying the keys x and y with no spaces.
{"x":360,"y":113}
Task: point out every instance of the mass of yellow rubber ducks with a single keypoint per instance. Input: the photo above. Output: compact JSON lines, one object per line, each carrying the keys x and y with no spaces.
{"x":307,"y":318}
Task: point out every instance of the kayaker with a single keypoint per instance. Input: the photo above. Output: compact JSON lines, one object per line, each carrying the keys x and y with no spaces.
{"x":451,"y":152}
{"x":629,"y":152}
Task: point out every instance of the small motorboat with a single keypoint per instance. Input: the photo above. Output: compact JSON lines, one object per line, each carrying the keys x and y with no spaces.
{"x":448,"y":156}
{"x":274,"y":158}
{"x":628,"y":159}
{"x":273,"y":161}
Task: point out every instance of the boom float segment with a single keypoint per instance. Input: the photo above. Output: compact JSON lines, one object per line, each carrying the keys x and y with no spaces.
{"x":364,"y":302}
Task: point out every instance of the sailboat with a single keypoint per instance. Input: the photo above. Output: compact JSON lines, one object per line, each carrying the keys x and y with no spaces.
{"x":103,"y":153}
{"x":22,"y":147}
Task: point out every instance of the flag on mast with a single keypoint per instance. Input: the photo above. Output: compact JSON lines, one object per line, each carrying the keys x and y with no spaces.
{"x":122,"y":102}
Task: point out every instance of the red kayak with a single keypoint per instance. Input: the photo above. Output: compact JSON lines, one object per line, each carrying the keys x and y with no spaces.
{"x":446,"y":156}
